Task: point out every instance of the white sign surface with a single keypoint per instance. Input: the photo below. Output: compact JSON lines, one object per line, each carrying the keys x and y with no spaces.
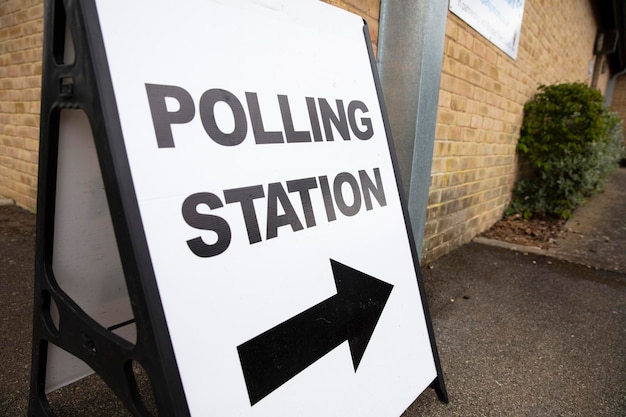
{"x":500,"y":21}
{"x":267,"y":193}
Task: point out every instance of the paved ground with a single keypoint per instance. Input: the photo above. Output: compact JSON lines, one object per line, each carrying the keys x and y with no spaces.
{"x":526,"y":335}
{"x":519,"y":333}
{"x":596,"y":235}
{"x":527,"y":332}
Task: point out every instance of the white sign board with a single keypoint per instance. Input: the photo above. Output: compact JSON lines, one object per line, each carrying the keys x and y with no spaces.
{"x":269,"y":201}
{"x":500,"y":21}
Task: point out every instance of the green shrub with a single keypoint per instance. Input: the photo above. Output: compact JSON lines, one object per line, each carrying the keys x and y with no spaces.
{"x":571,"y":144}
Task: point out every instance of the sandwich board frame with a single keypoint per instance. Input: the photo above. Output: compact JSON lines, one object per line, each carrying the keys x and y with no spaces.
{"x":58,"y":321}
{"x":111,"y":334}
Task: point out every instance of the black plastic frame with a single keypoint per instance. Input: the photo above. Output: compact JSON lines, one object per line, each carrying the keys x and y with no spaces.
{"x":85,"y":84}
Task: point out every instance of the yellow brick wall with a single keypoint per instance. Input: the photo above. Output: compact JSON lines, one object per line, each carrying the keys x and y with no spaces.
{"x":481,"y":101}
{"x":21,"y":25}
{"x":21,"y":40}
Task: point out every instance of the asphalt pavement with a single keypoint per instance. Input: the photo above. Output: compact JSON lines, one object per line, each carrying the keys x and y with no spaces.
{"x":520,"y":331}
{"x":529,"y":332}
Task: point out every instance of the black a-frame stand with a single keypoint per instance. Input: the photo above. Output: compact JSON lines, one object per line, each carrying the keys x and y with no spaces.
{"x":73,"y":84}
{"x":97,"y":305}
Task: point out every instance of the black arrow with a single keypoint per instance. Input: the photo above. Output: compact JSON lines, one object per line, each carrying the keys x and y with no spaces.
{"x":274,"y":357}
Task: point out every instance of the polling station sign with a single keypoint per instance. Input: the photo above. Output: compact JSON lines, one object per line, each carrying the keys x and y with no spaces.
{"x":264,"y":176}
{"x":263,"y":173}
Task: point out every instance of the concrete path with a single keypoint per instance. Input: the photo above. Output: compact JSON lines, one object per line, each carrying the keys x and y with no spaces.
{"x":526,"y":335}
{"x":596,"y":234}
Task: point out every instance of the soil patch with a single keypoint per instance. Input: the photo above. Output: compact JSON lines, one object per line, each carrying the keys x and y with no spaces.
{"x":537,"y":232}
{"x":16,"y":220}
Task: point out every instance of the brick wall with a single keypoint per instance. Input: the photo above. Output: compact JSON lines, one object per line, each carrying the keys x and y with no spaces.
{"x":21,"y":25}
{"x":481,"y":101}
